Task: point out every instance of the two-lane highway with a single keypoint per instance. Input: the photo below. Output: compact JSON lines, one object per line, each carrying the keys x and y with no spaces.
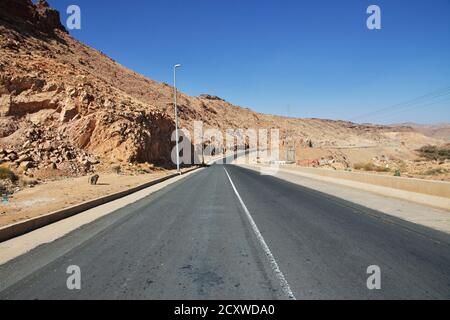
{"x":229,"y":233}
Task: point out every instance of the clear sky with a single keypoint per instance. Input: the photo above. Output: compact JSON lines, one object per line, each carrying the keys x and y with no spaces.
{"x":312,"y":58}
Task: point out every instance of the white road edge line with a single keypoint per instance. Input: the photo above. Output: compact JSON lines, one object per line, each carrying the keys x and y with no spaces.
{"x":273,"y":263}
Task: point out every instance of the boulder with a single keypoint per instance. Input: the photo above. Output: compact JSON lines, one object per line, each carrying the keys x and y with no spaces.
{"x":24,"y":158}
{"x":25,"y":165}
{"x":68,"y":112}
{"x":5,"y":105}
{"x":11,"y":157}
{"x":26,"y":144}
{"x":47,"y":146}
{"x":92,"y":160}
{"x":27,"y":102}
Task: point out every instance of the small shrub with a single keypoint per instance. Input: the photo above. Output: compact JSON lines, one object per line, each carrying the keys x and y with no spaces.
{"x":2,"y":189}
{"x":435,"y":172}
{"x":397,"y":173}
{"x":7,"y":174}
{"x":143,"y":171}
{"x":369,"y":166}
{"x":366,"y":166}
{"x":359,"y":166}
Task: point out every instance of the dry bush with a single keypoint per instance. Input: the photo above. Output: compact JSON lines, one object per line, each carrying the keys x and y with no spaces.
{"x":369,"y":166}
{"x":8,"y":174}
{"x":116,"y":169}
{"x":2,"y":188}
{"x":435,"y":152}
{"x":434,"y":172}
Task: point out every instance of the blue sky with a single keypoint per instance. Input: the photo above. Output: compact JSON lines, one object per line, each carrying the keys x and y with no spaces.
{"x":299,"y":58}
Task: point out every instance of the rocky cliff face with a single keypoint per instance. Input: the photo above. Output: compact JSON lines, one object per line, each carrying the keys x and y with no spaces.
{"x":54,"y":115}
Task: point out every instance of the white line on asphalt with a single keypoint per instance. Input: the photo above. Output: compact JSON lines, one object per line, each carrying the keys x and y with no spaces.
{"x":273,"y":263}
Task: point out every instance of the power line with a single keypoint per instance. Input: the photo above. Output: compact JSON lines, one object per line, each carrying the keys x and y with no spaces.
{"x":397,"y":112}
{"x":425,"y":98}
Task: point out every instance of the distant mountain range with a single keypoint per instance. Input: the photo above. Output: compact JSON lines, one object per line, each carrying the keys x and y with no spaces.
{"x":437,"y":131}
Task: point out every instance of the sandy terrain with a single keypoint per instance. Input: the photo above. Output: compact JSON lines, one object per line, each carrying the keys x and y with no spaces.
{"x":55,"y":195}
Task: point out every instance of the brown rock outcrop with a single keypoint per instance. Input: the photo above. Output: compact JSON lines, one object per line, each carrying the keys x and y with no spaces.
{"x":25,"y":14}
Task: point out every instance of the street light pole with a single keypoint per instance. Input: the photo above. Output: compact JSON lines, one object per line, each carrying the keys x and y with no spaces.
{"x":176,"y":113}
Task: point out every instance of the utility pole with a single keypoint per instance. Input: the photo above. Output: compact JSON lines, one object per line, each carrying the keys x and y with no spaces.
{"x":176,"y":113}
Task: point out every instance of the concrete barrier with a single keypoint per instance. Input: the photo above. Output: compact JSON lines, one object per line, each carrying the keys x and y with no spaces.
{"x":429,"y":187}
{"x":23,"y":227}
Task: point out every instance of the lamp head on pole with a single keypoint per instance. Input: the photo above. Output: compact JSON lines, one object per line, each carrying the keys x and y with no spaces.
{"x":177,"y":66}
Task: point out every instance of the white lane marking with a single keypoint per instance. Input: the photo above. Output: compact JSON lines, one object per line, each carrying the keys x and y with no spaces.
{"x":273,"y":263}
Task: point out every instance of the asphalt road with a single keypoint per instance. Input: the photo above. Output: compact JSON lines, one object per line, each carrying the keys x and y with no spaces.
{"x":195,"y":239}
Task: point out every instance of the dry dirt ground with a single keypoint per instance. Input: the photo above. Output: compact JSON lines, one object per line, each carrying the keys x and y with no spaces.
{"x":58,"y":194}
{"x":388,"y":159}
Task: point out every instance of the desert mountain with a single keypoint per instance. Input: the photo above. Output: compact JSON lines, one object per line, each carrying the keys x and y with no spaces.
{"x":437,"y":131}
{"x":66,"y":106}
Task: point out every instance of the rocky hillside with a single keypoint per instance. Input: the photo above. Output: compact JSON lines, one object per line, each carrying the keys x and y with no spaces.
{"x":55,"y":111}
{"x":65,"y":106}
